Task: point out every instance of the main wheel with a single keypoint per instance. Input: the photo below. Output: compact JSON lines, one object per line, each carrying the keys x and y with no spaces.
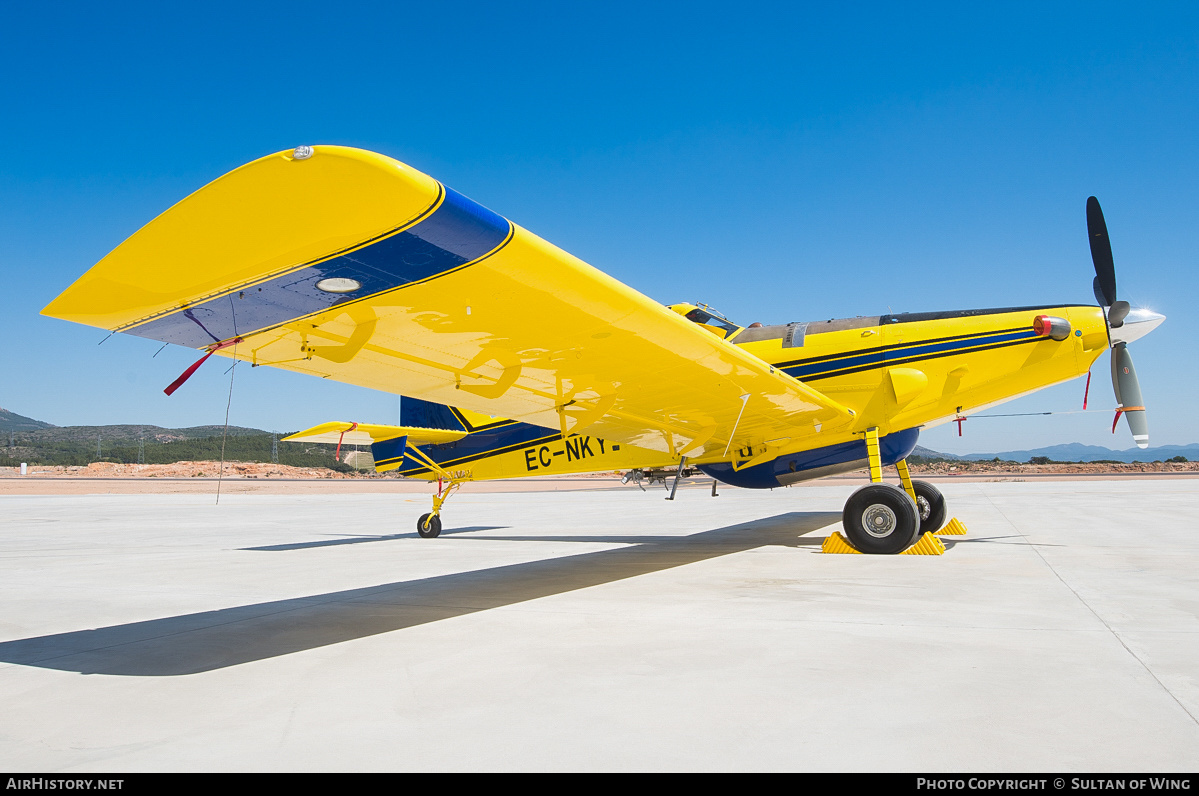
{"x":881,"y":518}
{"x":429,"y":525}
{"x":930,"y":503}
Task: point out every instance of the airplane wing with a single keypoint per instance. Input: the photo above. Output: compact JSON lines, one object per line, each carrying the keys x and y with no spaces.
{"x":369,"y":433}
{"x":349,"y":265}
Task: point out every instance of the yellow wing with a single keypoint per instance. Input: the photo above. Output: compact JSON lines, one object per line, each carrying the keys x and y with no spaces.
{"x":368,"y":433}
{"x":349,"y":265}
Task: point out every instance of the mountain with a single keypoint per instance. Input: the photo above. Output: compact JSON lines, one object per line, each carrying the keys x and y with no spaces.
{"x":1075,"y":452}
{"x":131,"y":433}
{"x":129,"y":444}
{"x":929,"y":453}
{"x":11,"y":421}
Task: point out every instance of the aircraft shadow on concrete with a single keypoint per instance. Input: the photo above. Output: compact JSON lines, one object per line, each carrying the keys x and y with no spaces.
{"x":1003,"y":540}
{"x":202,"y":642}
{"x":361,"y":539}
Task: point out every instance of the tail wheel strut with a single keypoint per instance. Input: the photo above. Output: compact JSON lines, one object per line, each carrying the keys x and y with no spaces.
{"x":429,"y":525}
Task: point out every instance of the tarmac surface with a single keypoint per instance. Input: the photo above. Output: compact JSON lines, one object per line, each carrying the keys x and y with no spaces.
{"x":599,"y":630}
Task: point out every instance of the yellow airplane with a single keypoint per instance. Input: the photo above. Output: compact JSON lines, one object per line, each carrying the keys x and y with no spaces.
{"x":515,"y":358}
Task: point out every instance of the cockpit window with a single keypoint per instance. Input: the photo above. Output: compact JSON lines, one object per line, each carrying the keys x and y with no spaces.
{"x":708,"y":319}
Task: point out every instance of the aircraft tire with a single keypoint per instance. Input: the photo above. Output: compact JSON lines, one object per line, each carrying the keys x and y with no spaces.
{"x":931,"y":505}
{"x":428,"y":526}
{"x":890,"y":515}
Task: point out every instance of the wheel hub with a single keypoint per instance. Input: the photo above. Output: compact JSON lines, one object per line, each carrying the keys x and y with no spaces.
{"x":879,"y":521}
{"x":924,"y":507}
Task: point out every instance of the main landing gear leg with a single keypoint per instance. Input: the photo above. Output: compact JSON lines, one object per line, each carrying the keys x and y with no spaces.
{"x":879,"y":517}
{"x":882,"y":518}
{"x":930,"y":503}
{"x":873,"y":456}
{"x":905,"y":478}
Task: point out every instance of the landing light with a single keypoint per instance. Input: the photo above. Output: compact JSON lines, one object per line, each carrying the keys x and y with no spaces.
{"x":338,"y":284}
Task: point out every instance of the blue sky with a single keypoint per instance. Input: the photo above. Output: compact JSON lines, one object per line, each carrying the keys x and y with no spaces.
{"x":782,"y":163}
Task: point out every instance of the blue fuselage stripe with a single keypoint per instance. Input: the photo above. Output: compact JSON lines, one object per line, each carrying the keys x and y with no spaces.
{"x":477,"y":445}
{"x":457,"y":233}
{"x":824,"y":369}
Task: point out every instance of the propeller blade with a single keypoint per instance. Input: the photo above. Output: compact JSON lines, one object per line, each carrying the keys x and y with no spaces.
{"x":1101,"y":254}
{"x":1128,"y":394}
{"x":1117,"y":313}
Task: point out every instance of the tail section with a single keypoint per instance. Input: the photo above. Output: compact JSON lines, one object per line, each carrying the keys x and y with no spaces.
{"x":423,"y":414}
{"x":416,"y":413}
{"x":460,"y":440}
{"x":388,"y":443}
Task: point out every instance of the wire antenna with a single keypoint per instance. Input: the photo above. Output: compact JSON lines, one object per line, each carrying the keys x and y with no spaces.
{"x":228,"y":403}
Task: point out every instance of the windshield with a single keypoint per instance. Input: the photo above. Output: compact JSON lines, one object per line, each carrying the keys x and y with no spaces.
{"x":708,"y":319}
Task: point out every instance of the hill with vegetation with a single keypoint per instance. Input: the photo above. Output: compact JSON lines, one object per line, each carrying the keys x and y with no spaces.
{"x":11,"y":421}
{"x":23,"y":439}
{"x":38,"y":443}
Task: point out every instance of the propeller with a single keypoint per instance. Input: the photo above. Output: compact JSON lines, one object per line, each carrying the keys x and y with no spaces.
{"x":1128,"y":395}
{"x":1124,"y":375}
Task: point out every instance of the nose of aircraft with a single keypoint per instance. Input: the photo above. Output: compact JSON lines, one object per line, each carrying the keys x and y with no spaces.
{"x":1137,"y":323}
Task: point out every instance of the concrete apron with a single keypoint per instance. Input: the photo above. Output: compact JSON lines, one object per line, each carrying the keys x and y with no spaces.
{"x":607,"y":631}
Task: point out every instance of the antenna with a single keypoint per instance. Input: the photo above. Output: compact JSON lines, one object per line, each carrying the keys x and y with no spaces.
{"x":220,"y":476}
{"x":274,"y":447}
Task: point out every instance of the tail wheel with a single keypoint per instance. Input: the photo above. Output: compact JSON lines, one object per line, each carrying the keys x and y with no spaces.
{"x":930,"y":504}
{"x":428,"y":526}
{"x":881,"y":518}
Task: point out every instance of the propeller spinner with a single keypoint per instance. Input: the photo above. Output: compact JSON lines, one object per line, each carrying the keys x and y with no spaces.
{"x":1124,"y":325}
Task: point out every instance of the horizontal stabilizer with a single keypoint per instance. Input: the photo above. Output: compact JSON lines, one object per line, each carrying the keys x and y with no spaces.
{"x":369,"y":433}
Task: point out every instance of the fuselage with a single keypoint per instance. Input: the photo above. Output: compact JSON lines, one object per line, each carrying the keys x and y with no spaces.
{"x":901,"y":373}
{"x":920,"y":369}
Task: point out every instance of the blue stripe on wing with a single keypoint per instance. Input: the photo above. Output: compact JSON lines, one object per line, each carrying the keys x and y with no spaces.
{"x":458,"y":232}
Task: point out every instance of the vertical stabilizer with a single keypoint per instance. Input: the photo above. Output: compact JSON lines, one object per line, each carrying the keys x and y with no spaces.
{"x":424,"y":414}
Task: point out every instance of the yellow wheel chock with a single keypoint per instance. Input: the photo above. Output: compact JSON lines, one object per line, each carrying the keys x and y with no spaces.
{"x":927,"y":545}
{"x":837,"y":543}
{"x":953,"y":528}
